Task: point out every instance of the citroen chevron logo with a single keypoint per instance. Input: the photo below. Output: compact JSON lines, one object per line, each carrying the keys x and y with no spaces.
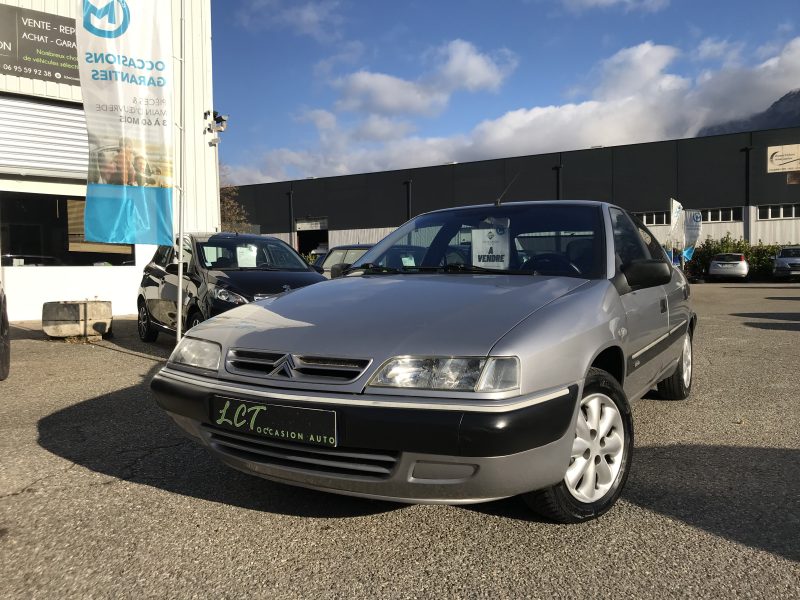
{"x":284,"y":367}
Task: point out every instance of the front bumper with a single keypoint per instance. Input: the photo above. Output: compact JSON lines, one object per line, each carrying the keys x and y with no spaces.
{"x":402,"y":454}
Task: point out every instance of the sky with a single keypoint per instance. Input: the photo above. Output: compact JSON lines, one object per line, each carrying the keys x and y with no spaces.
{"x":316,"y":88}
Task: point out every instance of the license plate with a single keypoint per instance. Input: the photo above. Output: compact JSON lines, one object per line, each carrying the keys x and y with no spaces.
{"x":275,"y":422}
{"x":726,"y":266}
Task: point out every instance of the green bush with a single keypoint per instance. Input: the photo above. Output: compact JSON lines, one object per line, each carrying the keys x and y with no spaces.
{"x":760,"y":256}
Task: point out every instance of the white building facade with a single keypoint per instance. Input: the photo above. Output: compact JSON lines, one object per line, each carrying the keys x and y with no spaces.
{"x":44,"y":159}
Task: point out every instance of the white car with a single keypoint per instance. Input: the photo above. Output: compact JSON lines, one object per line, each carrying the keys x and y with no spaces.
{"x":732,"y":265}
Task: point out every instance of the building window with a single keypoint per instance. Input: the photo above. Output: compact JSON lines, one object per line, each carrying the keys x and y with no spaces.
{"x":721,"y":215}
{"x":41,"y":230}
{"x":654,"y":218}
{"x":779,"y":211}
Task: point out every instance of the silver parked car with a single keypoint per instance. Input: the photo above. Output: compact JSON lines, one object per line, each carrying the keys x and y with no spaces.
{"x":475,"y":353}
{"x":787,"y":263}
{"x":731,"y":264}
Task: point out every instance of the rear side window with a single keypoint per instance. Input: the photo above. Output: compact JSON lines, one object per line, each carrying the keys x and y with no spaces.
{"x":334,"y":258}
{"x":161,"y":257}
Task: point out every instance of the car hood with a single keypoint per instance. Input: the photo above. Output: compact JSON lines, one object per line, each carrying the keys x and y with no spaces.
{"x":377,"y":317}
{"x":254,"y":282}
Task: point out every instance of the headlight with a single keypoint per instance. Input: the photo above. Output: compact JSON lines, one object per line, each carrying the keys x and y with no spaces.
{"x":197,"y":353}
{"x":463,"y":374}
{"x":226,"y":295}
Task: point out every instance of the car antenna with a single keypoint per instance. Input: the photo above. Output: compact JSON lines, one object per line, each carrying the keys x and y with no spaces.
{"x":500,"y":198}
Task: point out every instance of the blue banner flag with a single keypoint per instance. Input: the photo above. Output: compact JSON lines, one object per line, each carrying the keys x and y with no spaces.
{"x":128,"y":215}
{"x":125,"y":63}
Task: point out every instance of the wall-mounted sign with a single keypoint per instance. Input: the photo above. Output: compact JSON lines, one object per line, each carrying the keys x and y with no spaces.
{"x":37,"y":45}
{"x":781,"y":159}
{"x":319,"y":224}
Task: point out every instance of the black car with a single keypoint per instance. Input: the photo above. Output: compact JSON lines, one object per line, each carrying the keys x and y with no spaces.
{"x":221,"y":271}
{"x":5,"y":337}
{"x":342,"y":255}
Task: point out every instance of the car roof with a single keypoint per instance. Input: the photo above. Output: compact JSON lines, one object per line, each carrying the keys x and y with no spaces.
{"x":226,"y":235}
{"x":525,"y":203}
{"x":351,"y":247}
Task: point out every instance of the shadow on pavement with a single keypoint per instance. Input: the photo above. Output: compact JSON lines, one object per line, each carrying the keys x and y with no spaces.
{"x":763,"y":287}
{"x":782,"y":298}
{"x":748,"y":495}
{"x":775,"y":326}
{"x":125,"y":435}
{"x":775,"y":316}
{"x":19,"y":332}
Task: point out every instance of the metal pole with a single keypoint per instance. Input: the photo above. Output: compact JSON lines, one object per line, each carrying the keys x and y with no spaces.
{"x":181,"y":196}
{"x":408,"y":183}
{"x":290,"y":194}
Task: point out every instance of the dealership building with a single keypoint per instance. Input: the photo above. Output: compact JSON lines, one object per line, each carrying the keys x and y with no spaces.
{"x":727,"y":177}
{"x":44,"y":158}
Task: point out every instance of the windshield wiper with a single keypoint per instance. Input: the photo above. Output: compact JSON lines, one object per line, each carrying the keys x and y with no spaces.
{"x":371,"y":268}
{"x":461,"y":268}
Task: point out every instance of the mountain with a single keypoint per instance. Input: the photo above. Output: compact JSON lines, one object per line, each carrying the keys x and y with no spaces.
{"x":783,"y":113}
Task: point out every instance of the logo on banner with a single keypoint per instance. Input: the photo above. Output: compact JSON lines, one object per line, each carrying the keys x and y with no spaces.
{"x":110,"y":20}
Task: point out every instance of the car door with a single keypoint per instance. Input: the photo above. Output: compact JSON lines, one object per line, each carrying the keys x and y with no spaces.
{"x":645,"y":308}
{"x":677,"y":291}
{"x":169,"y":286}
{"x":152,"y":279}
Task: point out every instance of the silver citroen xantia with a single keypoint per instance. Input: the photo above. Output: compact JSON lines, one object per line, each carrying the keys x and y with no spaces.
{"x":475,"y":353}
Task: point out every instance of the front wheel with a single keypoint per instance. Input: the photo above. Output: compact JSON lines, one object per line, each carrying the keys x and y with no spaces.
{"x":600,"y":458}
{"x":678,"y":386}
{"x":144,"y":326}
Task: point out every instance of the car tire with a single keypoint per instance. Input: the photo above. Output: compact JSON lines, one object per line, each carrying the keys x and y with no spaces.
{"x":678,"y":386}
{"x":575,"y":498}
{"x":144,"y":325}
{"x":5,"y":346}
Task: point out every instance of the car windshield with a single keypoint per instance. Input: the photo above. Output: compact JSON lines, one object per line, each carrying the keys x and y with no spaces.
{"x":232,"y":254}
{"x":728,"y":257}
{"x":544,"y":239}
{"x":790,"y":253}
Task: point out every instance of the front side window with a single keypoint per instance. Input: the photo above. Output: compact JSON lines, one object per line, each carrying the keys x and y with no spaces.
{"x":233,"y":254}
{"x":542,"y":239}
{"x":334,"y":258}
{"x":628,"y":243}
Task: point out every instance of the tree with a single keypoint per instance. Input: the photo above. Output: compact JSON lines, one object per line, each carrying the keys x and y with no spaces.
{"x":233,"y":215}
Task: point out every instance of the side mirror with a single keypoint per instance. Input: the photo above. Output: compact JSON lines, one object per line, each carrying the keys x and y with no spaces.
{"x":318,"y":269}
{"x":647,"y":273}
{"x":338,"y":269}
{"x":172,"y":268}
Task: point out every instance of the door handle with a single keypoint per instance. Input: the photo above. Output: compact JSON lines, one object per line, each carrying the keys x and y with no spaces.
{"x":663,"y":305}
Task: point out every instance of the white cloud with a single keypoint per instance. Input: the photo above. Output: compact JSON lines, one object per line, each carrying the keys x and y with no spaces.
{"x":376,"y":128}
{"x":714,"y":49}
{"x":369,"y":92}
{"x":348,"y":53}
{"x":319,"y":19}
{"x":644,"y":5}
{"x":463,"y":67}
{"x":637,"y":100}
{"x":460,"y":66}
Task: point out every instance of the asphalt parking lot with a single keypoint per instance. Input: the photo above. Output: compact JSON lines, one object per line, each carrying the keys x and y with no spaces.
{"x":101,"y":496}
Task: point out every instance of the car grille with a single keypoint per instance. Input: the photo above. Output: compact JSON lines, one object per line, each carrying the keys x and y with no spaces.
{"x":294,"y":367}
{"x":372,"y":464}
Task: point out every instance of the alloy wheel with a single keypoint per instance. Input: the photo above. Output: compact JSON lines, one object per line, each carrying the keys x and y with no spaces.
{"x":598,"y":449}
{"x":143,"y":321}
{"x":686,"y":359}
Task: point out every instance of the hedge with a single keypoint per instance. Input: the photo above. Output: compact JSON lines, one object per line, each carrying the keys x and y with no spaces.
{"x":760,"y":256}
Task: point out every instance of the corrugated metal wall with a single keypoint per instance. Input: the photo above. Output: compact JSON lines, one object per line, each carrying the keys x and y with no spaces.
{"x":42,"y":139}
